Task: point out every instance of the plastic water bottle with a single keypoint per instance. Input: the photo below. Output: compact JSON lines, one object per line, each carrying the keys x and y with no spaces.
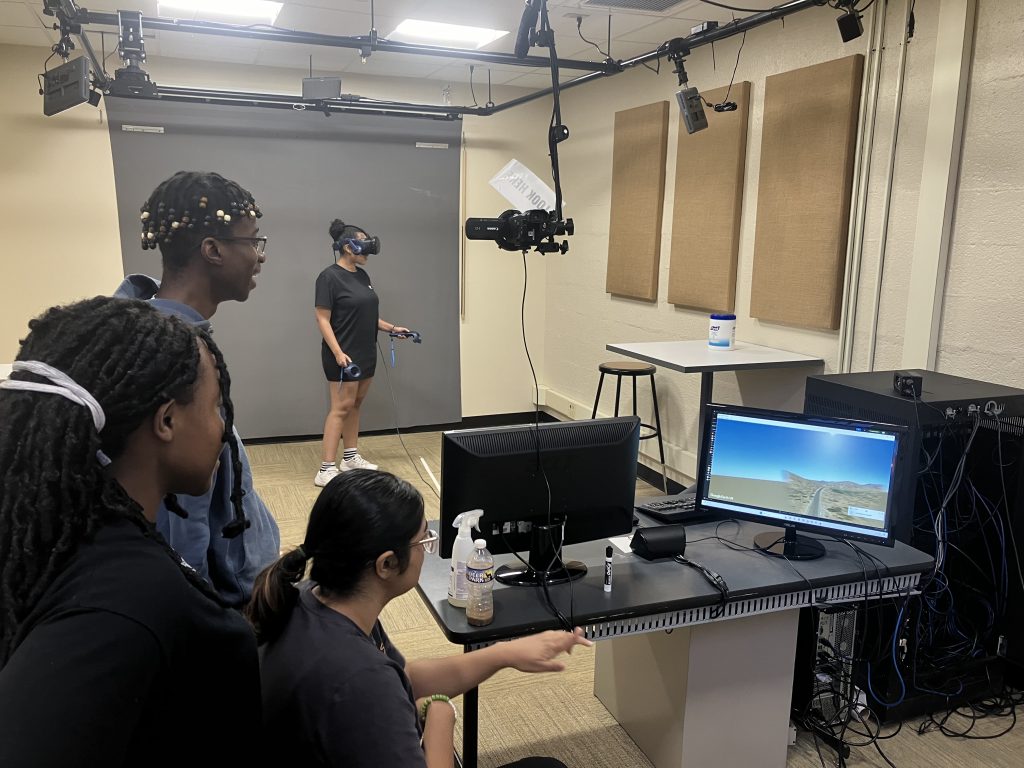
{"x":480,"y":579}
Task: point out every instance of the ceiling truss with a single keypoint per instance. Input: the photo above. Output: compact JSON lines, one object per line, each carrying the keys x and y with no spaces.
{"x":74,"y":20}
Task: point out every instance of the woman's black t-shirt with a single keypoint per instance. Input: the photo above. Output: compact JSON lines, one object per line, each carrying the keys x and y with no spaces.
{"x":334,"y":697}
{"x":123,"y":662}
{"x":354,"y":313}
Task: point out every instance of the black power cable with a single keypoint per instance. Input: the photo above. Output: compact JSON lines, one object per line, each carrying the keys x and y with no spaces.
{"x":579,"y":31}
{"x":725,"y":105}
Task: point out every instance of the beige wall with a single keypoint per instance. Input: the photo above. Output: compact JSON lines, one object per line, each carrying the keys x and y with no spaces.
{"x":985,"y":275}
{"x":496,"y":377}
{"x":57,"y":207}
{"x":580,"y":326}
{"x":982,"y":332}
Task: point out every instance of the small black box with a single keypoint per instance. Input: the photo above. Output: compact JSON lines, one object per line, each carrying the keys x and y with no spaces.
{"x":66,"y":86}
{"x":659,"y":541}
{"x":907,"y":383}
{"x":320,"y":88}
{"x":850,"y":26}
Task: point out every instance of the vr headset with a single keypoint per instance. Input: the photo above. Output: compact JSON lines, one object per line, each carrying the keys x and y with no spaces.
{"x":367,"y":247}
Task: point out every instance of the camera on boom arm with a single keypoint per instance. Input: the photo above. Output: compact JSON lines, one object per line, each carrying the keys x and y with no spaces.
{"x":515,"y":231}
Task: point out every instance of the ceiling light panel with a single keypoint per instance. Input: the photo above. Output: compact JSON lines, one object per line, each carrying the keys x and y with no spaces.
{"x":446,"y":35}
{"x":222,"y":10}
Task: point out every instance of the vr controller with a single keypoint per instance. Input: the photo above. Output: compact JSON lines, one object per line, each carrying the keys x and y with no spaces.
{"x":414,"y":335}
{"x":351,"y":371}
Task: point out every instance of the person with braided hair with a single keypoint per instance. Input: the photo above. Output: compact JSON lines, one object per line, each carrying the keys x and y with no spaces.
{"x":206,"y":228}
{"x":336,"y":692}
{"x":108,"y":639}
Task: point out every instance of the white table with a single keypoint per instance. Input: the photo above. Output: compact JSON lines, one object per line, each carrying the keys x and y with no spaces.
{"x":694,"y":356}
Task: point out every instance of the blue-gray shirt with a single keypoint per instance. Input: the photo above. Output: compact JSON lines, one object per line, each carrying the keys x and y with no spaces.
{"x":230,"y":565}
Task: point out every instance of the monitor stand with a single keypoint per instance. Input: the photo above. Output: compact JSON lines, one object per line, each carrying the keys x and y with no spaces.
{"x":546,"y":565}
{"x":791,"y":546}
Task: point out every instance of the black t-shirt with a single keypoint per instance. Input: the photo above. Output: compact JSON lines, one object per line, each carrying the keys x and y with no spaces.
{"x":354,"y":313}
{"x":334,"y":697}
{"x":125,"y":663}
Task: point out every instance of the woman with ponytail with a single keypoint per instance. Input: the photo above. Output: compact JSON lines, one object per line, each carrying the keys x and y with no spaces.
{"x":109,"y":642}
{"x":336,"y":692}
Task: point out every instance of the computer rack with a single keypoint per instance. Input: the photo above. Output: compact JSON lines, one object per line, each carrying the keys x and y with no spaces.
{"x":960,"y":498}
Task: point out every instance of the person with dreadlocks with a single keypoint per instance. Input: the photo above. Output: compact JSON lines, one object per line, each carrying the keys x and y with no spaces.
{"x":107,"y":638}
{"x":206,"y":228}
{"x":348,"y":319}
{"x":336,"y":692}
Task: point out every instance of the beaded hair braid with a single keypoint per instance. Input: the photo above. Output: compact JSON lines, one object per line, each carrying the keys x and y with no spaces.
{"x":189,"y":206}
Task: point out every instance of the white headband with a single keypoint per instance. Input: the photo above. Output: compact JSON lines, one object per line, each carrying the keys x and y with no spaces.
{"x":64,"y":386}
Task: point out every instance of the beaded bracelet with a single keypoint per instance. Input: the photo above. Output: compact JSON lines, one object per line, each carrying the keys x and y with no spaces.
{"x":436,"y":697}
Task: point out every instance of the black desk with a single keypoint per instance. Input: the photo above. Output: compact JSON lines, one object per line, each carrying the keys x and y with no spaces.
{"x":736,"y":668}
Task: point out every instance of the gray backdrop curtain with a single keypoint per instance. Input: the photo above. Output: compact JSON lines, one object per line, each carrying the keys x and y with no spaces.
{"x":305,"y":169}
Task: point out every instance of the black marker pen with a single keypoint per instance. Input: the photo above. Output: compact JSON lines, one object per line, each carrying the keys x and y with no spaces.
{"x":607,"y":569}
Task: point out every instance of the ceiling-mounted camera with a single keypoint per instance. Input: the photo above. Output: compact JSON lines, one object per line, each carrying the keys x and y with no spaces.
{"x":689,"y":99}
{"x":515,"y":231}
{"x":537,"y":229}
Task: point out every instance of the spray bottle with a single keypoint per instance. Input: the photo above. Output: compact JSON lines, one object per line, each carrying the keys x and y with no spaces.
{"x":458,"y":590}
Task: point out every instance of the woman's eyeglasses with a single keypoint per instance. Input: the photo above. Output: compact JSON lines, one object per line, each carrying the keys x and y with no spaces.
{"x":258,"y":243}
{"x":429,"y":542}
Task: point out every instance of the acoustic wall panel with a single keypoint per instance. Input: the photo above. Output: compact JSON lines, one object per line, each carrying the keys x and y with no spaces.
{"x":707,"y":207}
{"x":803,"y":201}
{"x":638,"y":197}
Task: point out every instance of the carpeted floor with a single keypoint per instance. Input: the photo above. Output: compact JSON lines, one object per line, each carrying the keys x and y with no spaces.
{"x":557,"y":714}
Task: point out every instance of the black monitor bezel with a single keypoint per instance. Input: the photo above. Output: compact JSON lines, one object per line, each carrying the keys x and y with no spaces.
{"x":446,"y":517}
{"x":899,"y":431}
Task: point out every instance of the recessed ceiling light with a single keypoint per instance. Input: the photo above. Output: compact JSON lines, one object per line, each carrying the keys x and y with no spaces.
{"x":438,"y":33}
{"x":245,"y":9}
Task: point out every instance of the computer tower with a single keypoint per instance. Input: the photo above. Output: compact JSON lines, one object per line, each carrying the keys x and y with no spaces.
{"x":823,"y":687}
{"x":968,"y":436}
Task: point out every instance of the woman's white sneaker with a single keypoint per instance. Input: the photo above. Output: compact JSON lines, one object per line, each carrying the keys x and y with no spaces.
{"x":324,"y":476}
{"x":356,"y":462}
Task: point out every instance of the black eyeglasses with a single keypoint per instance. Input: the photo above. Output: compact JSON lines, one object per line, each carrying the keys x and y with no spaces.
{"x":258,"y":243}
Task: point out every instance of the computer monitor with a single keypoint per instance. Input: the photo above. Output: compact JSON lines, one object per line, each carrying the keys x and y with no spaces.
{"x":803,"y":473}
{"x":541,"y":486}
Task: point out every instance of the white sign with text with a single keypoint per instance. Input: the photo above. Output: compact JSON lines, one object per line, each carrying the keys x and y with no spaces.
{"x":523,"y":188}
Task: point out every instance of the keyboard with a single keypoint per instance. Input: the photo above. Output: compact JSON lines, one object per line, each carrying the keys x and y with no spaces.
{"x":674,"y":509}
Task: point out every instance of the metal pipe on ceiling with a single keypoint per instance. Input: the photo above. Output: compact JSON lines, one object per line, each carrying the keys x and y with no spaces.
{"x":693,"y":41}
{"x":596,"y":71}
{"x":361,"y":43}
{"x":235,"y":99}
{"x":69,"y":10}
{"x":355,"y":105}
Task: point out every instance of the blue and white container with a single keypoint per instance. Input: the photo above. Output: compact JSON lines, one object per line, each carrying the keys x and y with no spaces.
{"x":722,"y":332}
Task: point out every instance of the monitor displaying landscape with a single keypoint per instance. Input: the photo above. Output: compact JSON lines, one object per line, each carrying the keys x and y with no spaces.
{"x":821,"y":472}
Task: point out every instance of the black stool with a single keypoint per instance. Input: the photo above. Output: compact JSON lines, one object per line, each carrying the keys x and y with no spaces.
{"x":633,"y":370}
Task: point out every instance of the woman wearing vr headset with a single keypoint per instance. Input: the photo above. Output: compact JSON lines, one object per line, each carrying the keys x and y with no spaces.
{"x":348,"y":318}
{"x":336,"y":692}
